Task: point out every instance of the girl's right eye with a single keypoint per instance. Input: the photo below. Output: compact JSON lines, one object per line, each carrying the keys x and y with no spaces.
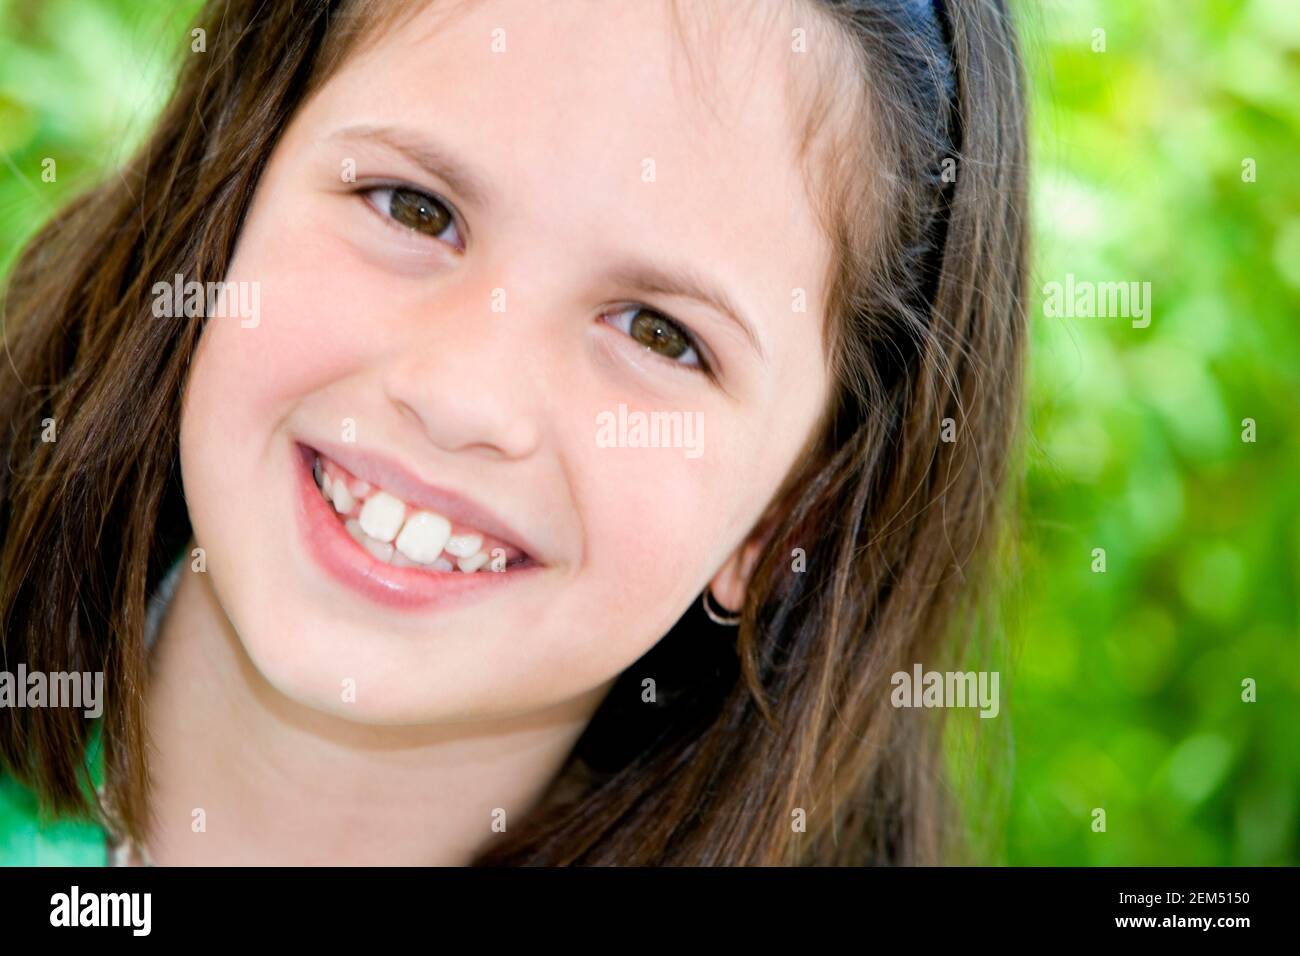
{"x":415,"y":211}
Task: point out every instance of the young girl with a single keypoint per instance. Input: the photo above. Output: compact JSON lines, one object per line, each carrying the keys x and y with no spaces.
{"x":490,"y":432}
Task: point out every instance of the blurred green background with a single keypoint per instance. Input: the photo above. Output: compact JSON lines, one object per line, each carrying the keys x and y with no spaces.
{"x":1124,"y":688}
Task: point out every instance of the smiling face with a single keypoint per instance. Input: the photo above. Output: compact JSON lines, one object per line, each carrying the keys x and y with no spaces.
{"x":493,"y":254}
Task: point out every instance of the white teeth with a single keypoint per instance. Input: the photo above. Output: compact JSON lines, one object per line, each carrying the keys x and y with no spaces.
{"x":472,"y":563}
{"x":464,"y":545}
{"x":343,"y":500}
{"x":381,"y":515}
{"x":381,"y":550}
{"x":423,"y":536}
{"x":384,"y":529}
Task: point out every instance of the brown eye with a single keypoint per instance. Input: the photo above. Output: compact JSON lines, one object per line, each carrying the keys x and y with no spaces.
{"x":416,"y":211}
{"x":658,"y":333}
{"x":420,"y":212}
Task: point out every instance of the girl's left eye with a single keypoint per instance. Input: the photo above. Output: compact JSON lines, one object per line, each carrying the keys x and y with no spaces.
{"x":659,"y":334}
{"x":416,"y":211}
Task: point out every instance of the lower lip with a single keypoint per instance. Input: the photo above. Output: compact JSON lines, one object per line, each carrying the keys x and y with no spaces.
{"x":347,"y":562}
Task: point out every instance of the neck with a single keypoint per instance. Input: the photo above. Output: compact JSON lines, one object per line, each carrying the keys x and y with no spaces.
{"x":278,"y":783}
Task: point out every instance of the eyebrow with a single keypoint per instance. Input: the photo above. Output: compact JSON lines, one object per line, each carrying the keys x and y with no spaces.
{"x":650,"y":279}
{"x":432,"y":157}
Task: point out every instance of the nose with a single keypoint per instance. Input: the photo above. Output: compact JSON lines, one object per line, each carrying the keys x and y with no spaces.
{"x":466,"y":378}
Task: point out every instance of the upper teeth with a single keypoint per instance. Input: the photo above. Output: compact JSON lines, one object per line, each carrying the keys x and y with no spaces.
{"x":463,"y":545}
{"x":382,"y":516}
{"x":423,"y":536}
{"x":386,"y":527}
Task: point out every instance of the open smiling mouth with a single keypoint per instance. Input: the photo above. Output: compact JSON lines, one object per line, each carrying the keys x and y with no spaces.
{"x":370,"y":535}
{"x":406,"y":537}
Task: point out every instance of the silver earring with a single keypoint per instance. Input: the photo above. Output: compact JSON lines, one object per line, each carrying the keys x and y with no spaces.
{"x":729,"y":620}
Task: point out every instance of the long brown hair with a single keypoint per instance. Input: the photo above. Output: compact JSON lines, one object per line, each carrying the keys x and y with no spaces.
{"x":874,"y":541}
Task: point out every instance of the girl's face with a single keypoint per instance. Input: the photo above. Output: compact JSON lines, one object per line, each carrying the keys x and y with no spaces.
{"x":498,"y":258}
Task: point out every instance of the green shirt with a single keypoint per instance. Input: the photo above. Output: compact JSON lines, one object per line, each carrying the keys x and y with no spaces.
{"x":28,"y":840}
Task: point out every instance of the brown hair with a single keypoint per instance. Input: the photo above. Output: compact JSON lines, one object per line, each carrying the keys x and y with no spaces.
{"x":925,"y":323}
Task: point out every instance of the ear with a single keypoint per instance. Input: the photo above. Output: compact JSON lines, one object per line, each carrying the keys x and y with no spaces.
{"x":732,"y":580}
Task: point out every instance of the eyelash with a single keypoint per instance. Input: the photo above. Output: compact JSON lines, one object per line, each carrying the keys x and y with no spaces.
{"x":701,"y":365}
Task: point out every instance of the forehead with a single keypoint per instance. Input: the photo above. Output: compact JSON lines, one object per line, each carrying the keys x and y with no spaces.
{"x":622,"y":123}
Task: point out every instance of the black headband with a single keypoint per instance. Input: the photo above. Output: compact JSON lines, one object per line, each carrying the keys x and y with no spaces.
{"x":930,"y":21}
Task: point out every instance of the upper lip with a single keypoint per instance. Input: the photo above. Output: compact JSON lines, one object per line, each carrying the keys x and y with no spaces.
{"x":392,"y":476}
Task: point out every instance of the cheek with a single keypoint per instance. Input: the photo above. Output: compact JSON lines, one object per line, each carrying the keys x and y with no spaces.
{"x":314,"y":326}
{"x":655,"y":530}
{"x":658,"y":524}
